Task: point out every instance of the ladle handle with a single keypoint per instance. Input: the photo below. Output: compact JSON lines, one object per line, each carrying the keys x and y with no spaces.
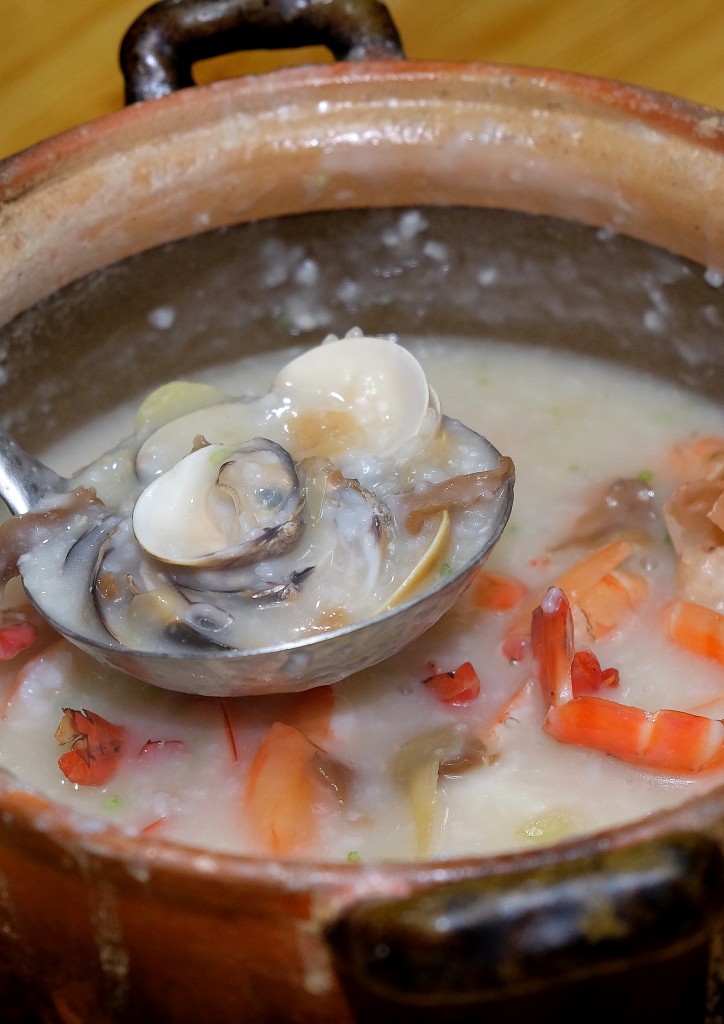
{"x":162,"y":44}
{"x":623,"y":936}
{"x":24,"y":480}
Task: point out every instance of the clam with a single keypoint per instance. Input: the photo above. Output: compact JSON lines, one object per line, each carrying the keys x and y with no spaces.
{"x":348,"y":534}
{"x":222,"y":505}
{"x":431,"y":559}
{"x":344,"y":398}
{"x":229,"y":423}
{"x":356,"y":394}
{"x":173,"y":400}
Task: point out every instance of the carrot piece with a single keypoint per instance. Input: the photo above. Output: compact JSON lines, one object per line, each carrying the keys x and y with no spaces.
{"x":460,"y":686}
{"x":698,"y":629}
{"x":280,"y":793}
{"x":496,"y":593}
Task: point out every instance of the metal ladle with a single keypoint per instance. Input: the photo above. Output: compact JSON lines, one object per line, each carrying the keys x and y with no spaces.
{"x":229,"y":672}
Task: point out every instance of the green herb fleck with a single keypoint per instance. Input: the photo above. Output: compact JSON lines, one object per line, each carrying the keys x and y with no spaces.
{"x":446,"y":569}
{"x":113,"y":803}
{"x":645,"y":476}
{"x":217,"y":459}
{"x":353,"y":857}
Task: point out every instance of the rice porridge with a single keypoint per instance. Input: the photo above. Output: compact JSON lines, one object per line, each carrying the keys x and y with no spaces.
{"x":527,"y":715}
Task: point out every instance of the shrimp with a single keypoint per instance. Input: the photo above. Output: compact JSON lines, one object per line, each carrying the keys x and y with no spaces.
{"x":700,"y":459}
{"x":694,"y":520}
{"x":676,"y":742}
{"x":601,"y":593}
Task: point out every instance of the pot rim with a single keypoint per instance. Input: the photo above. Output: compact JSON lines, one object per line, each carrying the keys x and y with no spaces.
{"x":498,"y":116}
{"x":701,"y":123}
{"x":35,"y":820}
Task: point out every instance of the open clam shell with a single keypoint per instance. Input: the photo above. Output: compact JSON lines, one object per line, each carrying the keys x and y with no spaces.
{"x":222,"y":506}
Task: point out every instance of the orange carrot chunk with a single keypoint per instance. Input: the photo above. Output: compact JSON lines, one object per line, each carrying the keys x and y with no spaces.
{"x":310,"y":711}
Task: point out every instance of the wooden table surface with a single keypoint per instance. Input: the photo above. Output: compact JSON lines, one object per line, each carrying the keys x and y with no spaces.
{"x":59,"y":57}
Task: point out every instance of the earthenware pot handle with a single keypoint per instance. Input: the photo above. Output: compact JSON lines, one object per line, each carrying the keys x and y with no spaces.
{"x":623,"y":936}
{"x":164,"y":42}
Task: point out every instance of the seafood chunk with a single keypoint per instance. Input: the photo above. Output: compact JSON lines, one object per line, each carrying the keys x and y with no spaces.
{"x":222,"y":506}
{"x":356,"y":394}
{"x":250,"y":523}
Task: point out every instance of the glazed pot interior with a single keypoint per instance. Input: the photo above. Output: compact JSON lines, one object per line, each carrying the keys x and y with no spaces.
{"x":422,"y":272}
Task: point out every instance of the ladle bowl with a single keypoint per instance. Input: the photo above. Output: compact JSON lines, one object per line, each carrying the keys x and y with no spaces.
{"x":232,"y":672}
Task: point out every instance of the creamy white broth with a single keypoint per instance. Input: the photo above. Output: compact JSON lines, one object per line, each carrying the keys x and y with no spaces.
{"x":570,"y":425}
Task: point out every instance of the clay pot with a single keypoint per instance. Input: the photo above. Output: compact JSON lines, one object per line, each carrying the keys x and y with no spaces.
{"x":586,"y":198}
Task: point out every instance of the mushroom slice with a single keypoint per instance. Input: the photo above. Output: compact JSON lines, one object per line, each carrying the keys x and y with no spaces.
{"x":450,"y":750}
{"x":222,"y":506}
{"x":140,"y":608}
{"x":355,"y":394}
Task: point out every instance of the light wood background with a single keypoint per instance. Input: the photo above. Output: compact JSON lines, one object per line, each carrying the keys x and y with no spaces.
{"x":58,"y":58}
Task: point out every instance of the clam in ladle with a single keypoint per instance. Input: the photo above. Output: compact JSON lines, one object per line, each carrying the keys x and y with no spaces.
{"x":202,"y":664}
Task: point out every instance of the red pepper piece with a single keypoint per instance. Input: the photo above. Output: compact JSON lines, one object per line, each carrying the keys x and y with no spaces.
{"x":16,"y":637}
{"x":460,"y":686}
{"x":96,"y":747}
{"x":587,"y":676}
